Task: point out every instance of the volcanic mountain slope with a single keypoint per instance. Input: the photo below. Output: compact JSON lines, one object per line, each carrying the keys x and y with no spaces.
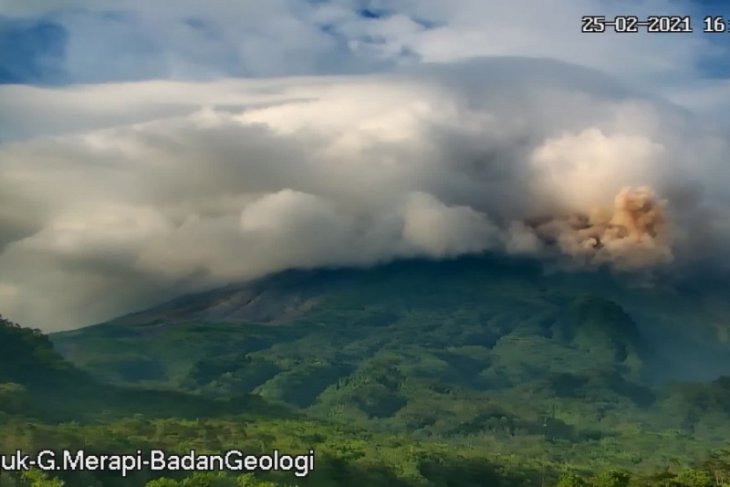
{"x":470,"y":348}
{"x":468,"y":302}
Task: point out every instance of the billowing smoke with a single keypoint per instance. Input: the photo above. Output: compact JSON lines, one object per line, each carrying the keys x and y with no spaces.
{"x":633,"y":235}
{"x":226,"y":181}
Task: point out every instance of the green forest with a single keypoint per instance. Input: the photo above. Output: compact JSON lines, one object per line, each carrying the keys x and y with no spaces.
{"x":464,"y":373}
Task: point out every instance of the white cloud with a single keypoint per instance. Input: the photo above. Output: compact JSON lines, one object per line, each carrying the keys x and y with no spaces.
{"x":434,"y":229}
{"x":190,"y":185}
{"x":591,"y":167}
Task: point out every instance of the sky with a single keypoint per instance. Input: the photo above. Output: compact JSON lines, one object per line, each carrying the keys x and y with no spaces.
{"x":153,"y":148}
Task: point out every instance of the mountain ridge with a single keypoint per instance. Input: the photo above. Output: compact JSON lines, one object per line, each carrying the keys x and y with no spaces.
{"x":469,"y":351}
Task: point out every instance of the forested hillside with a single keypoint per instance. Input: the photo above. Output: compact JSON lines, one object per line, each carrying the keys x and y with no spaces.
{"x":481,"y":358}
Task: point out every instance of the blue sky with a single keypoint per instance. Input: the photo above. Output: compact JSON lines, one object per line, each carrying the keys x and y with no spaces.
{"x":74,"y":41}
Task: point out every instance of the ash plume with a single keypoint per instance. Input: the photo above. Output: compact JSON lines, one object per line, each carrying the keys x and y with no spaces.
{"x":632,"y":235}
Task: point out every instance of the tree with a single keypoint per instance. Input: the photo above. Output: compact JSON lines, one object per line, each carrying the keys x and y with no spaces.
{"x":162,"y":482}
{"x":248,"y":480}
{"x":208,"y":480}
{"x":13,"y":398}
{"x":611,"y":478}
{"x":35,"y":478}
{"x":569,"y":479}
{"x":694,"y":478}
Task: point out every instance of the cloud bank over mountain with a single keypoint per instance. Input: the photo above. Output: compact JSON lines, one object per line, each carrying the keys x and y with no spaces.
{"x":127,"y":194}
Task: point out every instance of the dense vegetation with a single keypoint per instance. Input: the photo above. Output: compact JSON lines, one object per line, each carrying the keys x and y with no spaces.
{"x":467,"y":373}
